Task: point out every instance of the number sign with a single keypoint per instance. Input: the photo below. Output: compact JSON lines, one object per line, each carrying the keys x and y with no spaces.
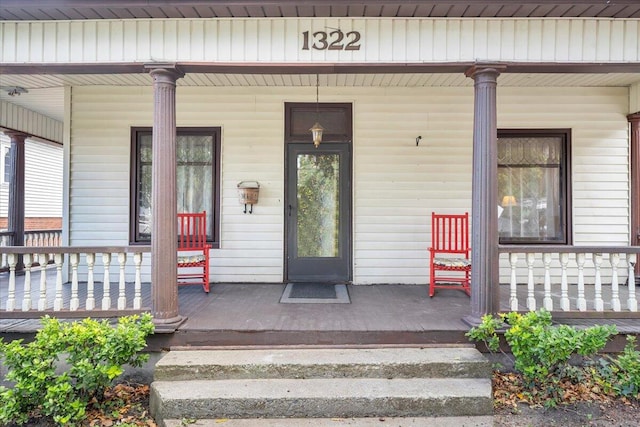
{"x":334,"y":40}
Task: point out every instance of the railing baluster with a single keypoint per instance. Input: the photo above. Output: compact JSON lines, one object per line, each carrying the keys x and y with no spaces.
{"x":615,"y":296}
{"x":137,"y":298}
{"x":58,"y":302}
{"x":122,"y":298}
{"x":74,"y":260}
{"x":91,"y":300}
{"x":565,"y":304}
{"x":11,"y":300}
{"x":51,"y":294}
{"x":531,"y":299}
{"x":513,"y":285}
{"x":547,"y":302}
{"x":43,"y":259}
{"x":582,"y":301}
{"x":598,"y":303}
{"x":632,"y":303}
{"x":4,"y":241}
{"x":106,"y":291}
{"x":26,"y":299}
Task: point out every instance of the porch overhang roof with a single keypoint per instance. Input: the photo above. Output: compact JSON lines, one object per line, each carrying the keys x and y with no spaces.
{"x":135,"y":9}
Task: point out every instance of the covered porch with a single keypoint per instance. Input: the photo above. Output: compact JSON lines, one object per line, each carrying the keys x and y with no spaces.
{"x":421,"y":136}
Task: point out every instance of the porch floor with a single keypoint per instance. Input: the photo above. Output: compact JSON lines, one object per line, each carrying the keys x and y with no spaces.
{"x":251,"y":314}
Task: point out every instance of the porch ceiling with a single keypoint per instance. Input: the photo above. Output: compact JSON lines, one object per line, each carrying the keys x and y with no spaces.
{"x":46,"y":91}
{"x":132,"y":9}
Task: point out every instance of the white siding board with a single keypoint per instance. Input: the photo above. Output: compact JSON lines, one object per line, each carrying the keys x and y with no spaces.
{"x":43,"y":180}
{"x":18,"y":118}
{"x":278,"y":40}
{"x":396,"y":184}
{"x":634,"y":98}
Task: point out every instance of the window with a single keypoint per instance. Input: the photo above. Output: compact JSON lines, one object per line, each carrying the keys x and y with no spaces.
{"x":533,"y":186}
{"x":198,"y":179}
{"x":5,"y":163}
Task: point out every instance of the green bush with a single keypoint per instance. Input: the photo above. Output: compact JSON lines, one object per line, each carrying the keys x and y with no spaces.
{"x":627,"y":369}
{"x":95,"y":353}
{"x":541,"y":350}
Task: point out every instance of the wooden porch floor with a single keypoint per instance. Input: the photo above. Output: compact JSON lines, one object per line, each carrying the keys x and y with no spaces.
{"x":251,"y":314}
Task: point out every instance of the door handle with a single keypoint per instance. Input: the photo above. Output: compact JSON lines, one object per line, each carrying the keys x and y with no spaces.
{"x":290,"y":208}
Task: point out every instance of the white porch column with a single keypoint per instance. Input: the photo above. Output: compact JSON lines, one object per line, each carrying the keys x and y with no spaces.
{"x":164,"y":228}
{"x":485,"y":296}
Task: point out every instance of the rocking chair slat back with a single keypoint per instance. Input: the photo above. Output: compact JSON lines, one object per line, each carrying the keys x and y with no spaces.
{"x":193,"y":250}
{"x":449,"y":254}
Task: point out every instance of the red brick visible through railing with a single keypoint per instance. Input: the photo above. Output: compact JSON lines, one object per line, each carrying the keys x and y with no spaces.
{"x":36,"y":223}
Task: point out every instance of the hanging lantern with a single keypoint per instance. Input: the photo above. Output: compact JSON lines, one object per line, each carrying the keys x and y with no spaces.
{"x":317,"y":129}
{"x":316,"y":133}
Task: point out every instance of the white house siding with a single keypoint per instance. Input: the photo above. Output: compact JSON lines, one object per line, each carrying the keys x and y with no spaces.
{"x":599,"y":159}
{"x":280,"y":39}
{"x":396,"y":183}
{"x":43,"y":179}
{"x":634,"y":98}
{"x":21,"y":119}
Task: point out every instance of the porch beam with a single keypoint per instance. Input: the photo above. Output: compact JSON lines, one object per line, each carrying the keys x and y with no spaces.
{"x":164,"y":228}
{"x":485,"y":296}
{"x":320,"y":68}
{"x":16,"y":190}
{"x":634,"y":120}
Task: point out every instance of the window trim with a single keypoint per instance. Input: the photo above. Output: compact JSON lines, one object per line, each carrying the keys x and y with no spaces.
{"x":134,"y":171}
{"x":565,"y":182}
{"x":3,"y":163}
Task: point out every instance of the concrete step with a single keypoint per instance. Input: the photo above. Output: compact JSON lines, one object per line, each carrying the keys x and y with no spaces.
{"x":477,"y":421}
{"x":430,"y":362}
{"x":321,"y":398}
{"x":279,"y":387}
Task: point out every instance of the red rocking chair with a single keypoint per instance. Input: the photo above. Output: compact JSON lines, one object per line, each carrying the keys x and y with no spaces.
{"x":449,"y":260}
{"x":193,"y":250}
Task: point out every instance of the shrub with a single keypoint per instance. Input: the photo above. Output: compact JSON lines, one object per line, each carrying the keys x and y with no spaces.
{"x":542,"y":351}
{"x":95,"y":352}
{"x":627,"y":369}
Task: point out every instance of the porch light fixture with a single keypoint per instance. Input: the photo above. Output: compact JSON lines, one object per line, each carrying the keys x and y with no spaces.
{"x":317,"y":129}
{"x":14,"y":90}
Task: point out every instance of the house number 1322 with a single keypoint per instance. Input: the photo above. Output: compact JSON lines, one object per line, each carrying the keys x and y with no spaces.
{"x":334,"y":40}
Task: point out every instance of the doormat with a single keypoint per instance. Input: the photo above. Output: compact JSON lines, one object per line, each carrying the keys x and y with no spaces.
{"x":315,"y":293}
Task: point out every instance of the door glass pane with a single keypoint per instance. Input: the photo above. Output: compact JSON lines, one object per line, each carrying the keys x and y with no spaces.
{"x":318,"y":191}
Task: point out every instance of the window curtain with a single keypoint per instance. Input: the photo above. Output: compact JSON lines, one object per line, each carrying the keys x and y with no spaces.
{"x":529,"y":188}
{"x":194,"y":176}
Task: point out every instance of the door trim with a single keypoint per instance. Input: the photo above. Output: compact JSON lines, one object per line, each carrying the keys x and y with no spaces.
{"x":344,"y":137}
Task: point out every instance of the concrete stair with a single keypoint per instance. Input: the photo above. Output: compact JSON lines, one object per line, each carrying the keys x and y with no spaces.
{"x":435,"y":386}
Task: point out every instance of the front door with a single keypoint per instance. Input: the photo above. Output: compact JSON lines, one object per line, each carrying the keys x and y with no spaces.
{"x":318,"y":207}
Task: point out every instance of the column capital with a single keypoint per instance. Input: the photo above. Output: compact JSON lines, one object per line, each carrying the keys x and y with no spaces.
{"x":15,"y":135}
{"x":634,"y":118}
{"x":164,"y":72}
{"x":489,"y":70}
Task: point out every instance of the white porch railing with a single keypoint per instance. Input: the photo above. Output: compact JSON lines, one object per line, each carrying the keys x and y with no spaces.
{"x":43,"y":237}
{"x":569,"y":278}
{"x":35,"y":292}
{"x":31,"y":238}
